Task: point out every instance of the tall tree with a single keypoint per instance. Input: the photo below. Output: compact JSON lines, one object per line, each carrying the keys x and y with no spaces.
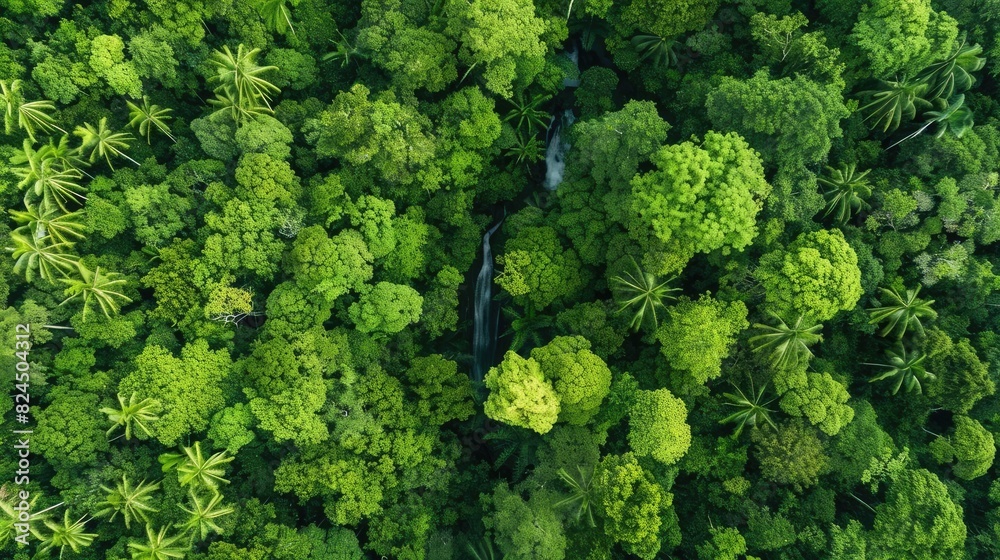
{"x":133,"y":502}
{"x":158,"y":546}
{"x":69,"y":533}
{"x":242,"y":88}
{"x":133,"y":412}
{"x":202,"y":517}
{"x":93,"y":286}
{"x":100,"y":141}
{"x":147,"y":117}
{"x":901,"y":312}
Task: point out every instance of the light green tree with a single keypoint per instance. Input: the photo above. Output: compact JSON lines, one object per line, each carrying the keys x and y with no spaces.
{"x":918,"y":520}
{"x":658,"y":427}
{"x":698,"y":199}
{"x":631,"y":503}
{"x":823,"y":401}
{"x":520,"y":395}
{"x":580,"y":378}
{"x":387,"y":308}
{"x":503,"y":37}
{"x":901,"y":37}
{"x":698,"y":334}
{"x":815,"y":276}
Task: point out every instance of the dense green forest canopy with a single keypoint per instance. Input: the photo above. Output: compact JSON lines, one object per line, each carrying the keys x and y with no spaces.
{"x":745,"y":303}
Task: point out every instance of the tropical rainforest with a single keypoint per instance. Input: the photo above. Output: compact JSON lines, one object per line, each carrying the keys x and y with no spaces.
{"x":499,"y":279}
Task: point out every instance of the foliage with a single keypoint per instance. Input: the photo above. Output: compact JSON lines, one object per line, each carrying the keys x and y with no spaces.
{"x":816,"y":276}
{"x":788,"y":345}
{"x":905,"y":369}
{"x":250,"y":339}
{"x":657,"y":426}
{"x":698,"y":334}
{"x":751,"y":409}
{"x":918,"y":518}
{"x":845,"y":191}
{"x":643,"y":294}
{"x":822,"y":401}
{"x":902,"y":312}
{"x":520,"y":395}
{"x":698,"y":199}
{"x":792,"y":454}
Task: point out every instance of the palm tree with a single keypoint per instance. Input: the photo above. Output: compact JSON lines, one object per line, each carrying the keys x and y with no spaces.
{"x":894,"y":101}
{"x":953,"y":73}
{"x":40,"y":256}
{"x":133,"y":412}
{"x":228,"y":103}
{"x":240,"y":81}
{"x":906,"y":369}
{"x":642,"y":294}
{"x":132,"y":503}
{"x":483,"y":550}
{"x":788,"y":345}
{"x":93,"y":286}
{"x":193,"y":467}
{"x":345,"y":51}
{"x":68,"y":533}
{"x":659,"y":50}
{"x":525,"y":327}
{"x":527,"y":149}
{"x":528,"y":113}
{"x":46,"y":177}
{"x":955,"y":116}
{"x":750,"y":410}
{"x":581,"y":492}
{"x":148,"y":117}
{"x":10,"y":516}
{"x":902,"y":312}
{"x":844,"y":191}
{"x":158,"y":546}
{"x":275,"y":14}
{"x":64,"y":155}
{"x":31,"y":115}
{"x":61,"y":228}
{"x":203,"y":514}
{"x":102,"y":142}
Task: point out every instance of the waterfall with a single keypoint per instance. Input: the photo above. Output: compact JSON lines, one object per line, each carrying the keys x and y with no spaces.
{"x":555,"y":151}
{"x":484,"y":331}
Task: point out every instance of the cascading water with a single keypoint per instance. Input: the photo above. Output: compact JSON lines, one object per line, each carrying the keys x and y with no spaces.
{"x":484,"y":329}
{"x":555,"y":151}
